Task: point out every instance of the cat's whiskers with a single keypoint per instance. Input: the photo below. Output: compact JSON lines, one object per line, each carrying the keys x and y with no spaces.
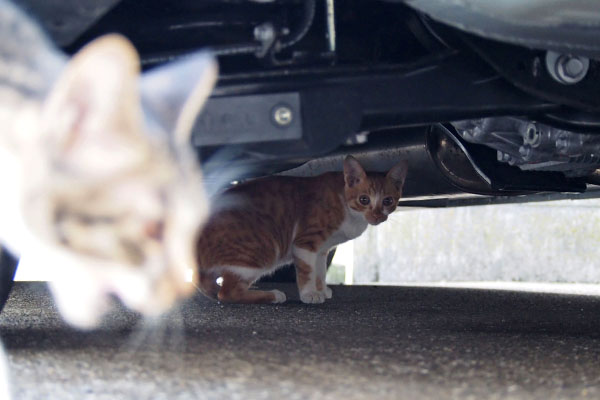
{"x":141,"y":344}
{"x":197,"y":287}
{"x":176,"y":335}
{"x":136,"y":339}
{"x":168,"y":339}
{"x":154,"y":336}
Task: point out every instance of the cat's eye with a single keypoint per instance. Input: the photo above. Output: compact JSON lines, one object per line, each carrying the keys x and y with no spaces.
{"x":388,"y":201}
{"x":364,"y":200}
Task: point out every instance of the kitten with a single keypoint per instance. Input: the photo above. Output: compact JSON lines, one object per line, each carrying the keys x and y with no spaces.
{"x":100,"y":183}
{"x":277,"y":220}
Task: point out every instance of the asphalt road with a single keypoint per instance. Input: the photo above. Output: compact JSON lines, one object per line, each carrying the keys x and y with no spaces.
{"x":367,"y":343}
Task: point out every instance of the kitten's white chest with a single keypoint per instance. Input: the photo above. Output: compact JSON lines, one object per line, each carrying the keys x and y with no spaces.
{"x":353,"y":226}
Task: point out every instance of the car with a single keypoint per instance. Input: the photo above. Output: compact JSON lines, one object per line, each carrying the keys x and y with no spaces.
{"x":490,"y":102}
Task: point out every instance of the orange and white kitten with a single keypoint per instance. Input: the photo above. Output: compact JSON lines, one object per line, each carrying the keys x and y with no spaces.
{"x":276,"y":220}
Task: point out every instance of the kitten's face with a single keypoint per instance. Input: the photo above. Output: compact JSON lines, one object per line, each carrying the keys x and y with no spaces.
{"x":375,"y":195}
{"x":115,"y":191}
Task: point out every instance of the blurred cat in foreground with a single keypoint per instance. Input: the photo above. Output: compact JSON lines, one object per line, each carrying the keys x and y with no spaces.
{"x":99,"y":179}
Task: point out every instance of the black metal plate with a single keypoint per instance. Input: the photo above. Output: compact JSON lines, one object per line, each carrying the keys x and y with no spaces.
{"x":248,"y":119}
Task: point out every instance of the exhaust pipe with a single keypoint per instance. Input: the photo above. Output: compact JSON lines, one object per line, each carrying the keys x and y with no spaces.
{"x":441,"y":165}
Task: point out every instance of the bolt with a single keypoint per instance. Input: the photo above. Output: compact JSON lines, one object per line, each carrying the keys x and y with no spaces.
{"x":282,"y":115}
{"x":562,"y":144}
{"x":264,"y":32}
{"x":573,"y":67}
{"x":532,"y":135}
{"x":525,"y":152}
{"x":567,"y":69}
{"x":505,"y":157}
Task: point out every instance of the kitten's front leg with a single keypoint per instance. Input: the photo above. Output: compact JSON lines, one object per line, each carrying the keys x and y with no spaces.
{"x":307,"y":275}
{"x":321,"y":267}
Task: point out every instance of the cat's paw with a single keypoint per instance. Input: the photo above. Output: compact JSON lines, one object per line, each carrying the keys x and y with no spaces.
{"x":279,"y":296}
{"x":328,"y":292}
{"x":312,"y":297}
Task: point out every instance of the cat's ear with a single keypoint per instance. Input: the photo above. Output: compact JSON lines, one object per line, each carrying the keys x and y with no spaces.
{"x":398,"y":174}
{"x":173,"y":94}
{"x":92,"y":118}
{"x":353,"y":172}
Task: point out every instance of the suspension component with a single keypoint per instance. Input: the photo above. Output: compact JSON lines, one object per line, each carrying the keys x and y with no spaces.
{"x":531,"y":145}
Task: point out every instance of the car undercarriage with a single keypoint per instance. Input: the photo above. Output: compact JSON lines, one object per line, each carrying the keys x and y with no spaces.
{"x":488,"y":103}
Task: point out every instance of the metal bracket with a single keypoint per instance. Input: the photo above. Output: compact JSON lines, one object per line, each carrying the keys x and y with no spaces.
{"x":337,"y":102}
{"x":249,"y":119}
